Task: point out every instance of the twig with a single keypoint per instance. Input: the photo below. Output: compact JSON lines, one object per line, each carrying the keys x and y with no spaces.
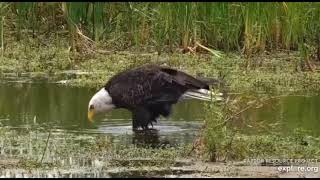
{"x":84,"y":36}
{"x":228,"y":119}
{"x":210,"y":50}
{"x":101,"y":51}
{"x":245,"y":109}
{"x":191,"y":50}
{"x":309,"y":64}
{"x":45,"y":149}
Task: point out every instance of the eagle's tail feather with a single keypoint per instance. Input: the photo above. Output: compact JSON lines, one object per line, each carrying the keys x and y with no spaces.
{"x":202,"y":94}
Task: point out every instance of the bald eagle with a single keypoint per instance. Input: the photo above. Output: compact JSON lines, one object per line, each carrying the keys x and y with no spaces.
{"x":147,"y":91}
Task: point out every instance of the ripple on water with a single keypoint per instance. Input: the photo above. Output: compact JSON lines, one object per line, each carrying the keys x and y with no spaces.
{"x":123,"y":126}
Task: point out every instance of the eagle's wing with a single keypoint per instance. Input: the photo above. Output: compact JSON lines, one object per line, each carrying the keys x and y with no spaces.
{"x":184,"y":79}
{"x":152,"y":86}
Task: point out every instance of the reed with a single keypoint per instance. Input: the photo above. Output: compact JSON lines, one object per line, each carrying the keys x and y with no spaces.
{"x":3,"y":12}
{"x":246,"y":27}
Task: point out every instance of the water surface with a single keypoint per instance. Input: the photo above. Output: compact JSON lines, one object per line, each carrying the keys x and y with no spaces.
{"x":63,"y":108}
{"x":284,"y":115}
{"x":58,"y":107}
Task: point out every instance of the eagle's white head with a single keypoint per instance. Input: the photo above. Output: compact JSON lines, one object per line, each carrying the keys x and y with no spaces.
{"x":101,"y":102}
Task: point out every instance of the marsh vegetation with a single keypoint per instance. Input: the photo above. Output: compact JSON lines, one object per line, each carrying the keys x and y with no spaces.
{"x":55,"y":54}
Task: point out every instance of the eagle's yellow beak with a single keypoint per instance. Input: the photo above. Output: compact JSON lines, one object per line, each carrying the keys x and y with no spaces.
{"x":91,"y":114}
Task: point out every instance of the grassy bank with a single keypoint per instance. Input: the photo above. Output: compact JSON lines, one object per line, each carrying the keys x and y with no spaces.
{"x":273,"y":74}
{"x":258,"y":50}
{"x":280,"y":72}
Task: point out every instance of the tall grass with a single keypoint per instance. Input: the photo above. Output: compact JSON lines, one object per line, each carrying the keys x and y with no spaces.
{"x":3,"y":12}
{"x":247,"y":27}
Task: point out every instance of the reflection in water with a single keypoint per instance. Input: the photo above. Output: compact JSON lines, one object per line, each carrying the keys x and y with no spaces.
{"x":150,"y":138}
{"x":40,"y":104}
{"x":284,"y":115}
{"x":59,"y":107}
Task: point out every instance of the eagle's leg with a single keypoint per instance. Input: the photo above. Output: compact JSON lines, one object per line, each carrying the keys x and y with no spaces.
{"x":134,"y":124}
{"x":165,"y":110}
{"x":141,"y":118}
{"x":151,"y":124}
{"x":136,"y":120}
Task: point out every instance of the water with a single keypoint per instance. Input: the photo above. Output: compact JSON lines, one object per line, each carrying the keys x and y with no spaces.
{"x":284,"y":115}
{"x":63,"y":108}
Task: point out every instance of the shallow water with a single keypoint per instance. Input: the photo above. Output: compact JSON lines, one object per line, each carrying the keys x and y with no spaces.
{"x":63,"y":110}
{"x":284,"y":115}
{"x":58,"y":107}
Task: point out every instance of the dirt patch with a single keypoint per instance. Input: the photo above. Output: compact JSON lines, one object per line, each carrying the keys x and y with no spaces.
{"x":182,"y":169}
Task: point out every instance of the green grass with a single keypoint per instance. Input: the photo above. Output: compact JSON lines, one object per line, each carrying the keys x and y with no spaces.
{"x":249,"y":28}
{"x":277,"y":73}
{"x":52,"y":37}
{"x":46,"y":37}
{"x":273,"y":74}
{"x":33,"y":149}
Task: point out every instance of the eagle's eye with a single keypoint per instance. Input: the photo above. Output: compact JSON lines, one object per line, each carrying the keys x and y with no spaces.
{"x":91,"y":107}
